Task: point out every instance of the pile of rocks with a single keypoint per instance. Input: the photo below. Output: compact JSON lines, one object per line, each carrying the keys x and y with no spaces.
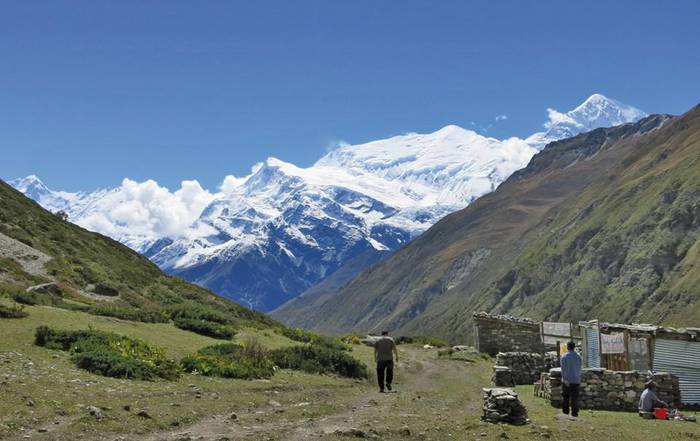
{"x":502,"y":405}
{"x":526,"y":367}
{"x":502,"y":376}
{"x":614,"y":390}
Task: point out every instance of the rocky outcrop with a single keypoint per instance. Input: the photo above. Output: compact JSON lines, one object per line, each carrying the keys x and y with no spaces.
{"x":51,"y":288}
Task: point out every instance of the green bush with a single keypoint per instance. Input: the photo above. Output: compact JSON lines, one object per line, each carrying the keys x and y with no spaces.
{"x":231,"y":360}
{"x":197,"y":311}
{"x":109,"y":354}
{"x":12,"y":311}
{"x":304,"y":336}
{"x":203,"y":327}
{"x":318,"y":359}
{"x":420,"y":340}
{"x":351,"y":339}
{"x":32,"y":298}
{"x":26,"y":298}
{"x":128,"y":313}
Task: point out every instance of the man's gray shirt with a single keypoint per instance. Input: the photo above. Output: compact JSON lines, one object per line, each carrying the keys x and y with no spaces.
{"x":647,"y":400}
{"x":384,"y":347}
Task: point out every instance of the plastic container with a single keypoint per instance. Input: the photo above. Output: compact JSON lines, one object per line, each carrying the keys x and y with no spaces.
{"x":661,"y":413}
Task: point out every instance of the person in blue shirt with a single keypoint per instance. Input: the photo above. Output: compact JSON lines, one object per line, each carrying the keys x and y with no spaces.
{"x":571,"y":379}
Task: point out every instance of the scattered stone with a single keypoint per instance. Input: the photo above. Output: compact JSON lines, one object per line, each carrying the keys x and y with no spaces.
{"x":30,"y":402}
{"x":95,"y":412}
{"x":274,"y":403}
{"x":144,"y":414}
{"x":502,"y":405}
{"x":357,"y":433}
{"x":405,"y":431}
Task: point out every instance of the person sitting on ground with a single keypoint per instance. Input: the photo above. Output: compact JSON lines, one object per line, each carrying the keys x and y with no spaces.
{"x":648,"y":401}
{"x":384,"y":352}
{"x":571,"y":379}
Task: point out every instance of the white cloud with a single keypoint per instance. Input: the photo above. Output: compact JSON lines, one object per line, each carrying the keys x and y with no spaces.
{"x":335,"y":144}
{"x":147,"y":209}
{"x":556,"y":117}
{"x":501,"y":117}
{"x":231,"y":183}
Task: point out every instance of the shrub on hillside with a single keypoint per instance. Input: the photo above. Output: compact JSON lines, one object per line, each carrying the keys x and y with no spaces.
{"x":351,"y":339}
{"x":318,"y":359}
{"x":420,"y":340}
{"x":304,"y":336}
{"x":109,"y":354}
{"x":32,"y":298}
{"x":12,"y":311}
{"x":197,"y":311}
{"x":128,"y":313}
{"x":27,"y":298}
{"x":231,"y":360}
{"x":203,"y":327}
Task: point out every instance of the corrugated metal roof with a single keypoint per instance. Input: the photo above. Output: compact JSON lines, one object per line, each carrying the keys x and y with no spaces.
{"x":681,"y":358}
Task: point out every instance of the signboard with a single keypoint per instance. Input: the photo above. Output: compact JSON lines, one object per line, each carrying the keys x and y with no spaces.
{"x":612,"y":344}
{"x":563,"y":349}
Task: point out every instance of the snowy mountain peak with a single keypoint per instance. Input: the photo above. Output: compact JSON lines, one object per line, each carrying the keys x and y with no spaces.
{"x":601,"y":111}
{"x":596,"y":111}
{"x":30,"y":186}
{"x":266,"y":237}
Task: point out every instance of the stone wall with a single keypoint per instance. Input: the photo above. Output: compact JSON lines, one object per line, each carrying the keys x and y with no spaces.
{"x":613,"y":390}
{"x":502,"y":333}
{"x":526,"y":367}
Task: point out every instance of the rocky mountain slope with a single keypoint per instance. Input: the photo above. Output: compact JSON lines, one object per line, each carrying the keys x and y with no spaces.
{"x":267,"y":237}
{"x":602,"y":225}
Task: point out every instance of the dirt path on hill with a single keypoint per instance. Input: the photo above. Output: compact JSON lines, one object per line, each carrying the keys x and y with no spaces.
{"x":431,"y":401}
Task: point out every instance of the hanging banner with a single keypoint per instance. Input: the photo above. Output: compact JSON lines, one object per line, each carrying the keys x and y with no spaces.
{"x":612,"y":344}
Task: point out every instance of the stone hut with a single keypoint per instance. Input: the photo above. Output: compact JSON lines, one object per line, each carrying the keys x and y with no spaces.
{"x":504,"y":333}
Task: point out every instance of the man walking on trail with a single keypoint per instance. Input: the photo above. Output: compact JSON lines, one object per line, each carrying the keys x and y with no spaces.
{"x":571,"y":379}
{"x":384,"y":352}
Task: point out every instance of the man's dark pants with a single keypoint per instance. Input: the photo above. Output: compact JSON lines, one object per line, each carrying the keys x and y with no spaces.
{"x":385,"y":367}
{"x":570,"y":396}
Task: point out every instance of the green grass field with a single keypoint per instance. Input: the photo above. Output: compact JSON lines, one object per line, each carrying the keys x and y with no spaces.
{"x":42,"y":389}
{"x":45,"y":397}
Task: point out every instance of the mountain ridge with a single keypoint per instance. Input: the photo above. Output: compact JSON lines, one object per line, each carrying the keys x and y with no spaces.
{"x":507,"y":252}
{"x":267,"y":237}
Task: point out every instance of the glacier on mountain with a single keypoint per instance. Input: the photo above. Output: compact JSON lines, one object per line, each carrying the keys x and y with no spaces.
{"x":266,"y":237}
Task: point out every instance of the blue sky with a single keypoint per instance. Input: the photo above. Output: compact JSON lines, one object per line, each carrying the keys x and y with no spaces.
{"x":95,"y":91}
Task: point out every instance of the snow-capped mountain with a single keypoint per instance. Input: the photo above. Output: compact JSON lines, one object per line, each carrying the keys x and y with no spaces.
{"x":266,"y":237}
{"x":597,"y":111}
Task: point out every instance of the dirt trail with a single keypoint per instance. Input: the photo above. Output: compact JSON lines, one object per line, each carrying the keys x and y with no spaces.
{"x":429,"y":399}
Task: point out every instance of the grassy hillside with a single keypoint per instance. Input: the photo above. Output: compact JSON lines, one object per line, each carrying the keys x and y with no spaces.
{"x":603,"y":225}
{"x":87,"y":264}
{"x":98,"y":342}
